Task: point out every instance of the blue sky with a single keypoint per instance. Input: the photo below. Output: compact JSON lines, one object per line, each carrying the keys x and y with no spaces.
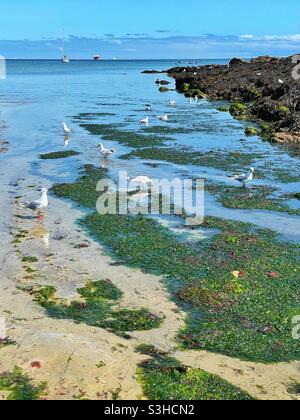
{"x":149,"y":29}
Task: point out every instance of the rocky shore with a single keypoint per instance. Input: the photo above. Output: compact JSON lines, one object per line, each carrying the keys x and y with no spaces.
{"x":265,"y":90}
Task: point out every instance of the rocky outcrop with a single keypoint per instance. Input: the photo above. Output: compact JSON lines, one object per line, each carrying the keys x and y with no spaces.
{"x":265,"y":87}
{"x":152,"y":72}
{"x":3,"y":146}
{"x":162,"y":82}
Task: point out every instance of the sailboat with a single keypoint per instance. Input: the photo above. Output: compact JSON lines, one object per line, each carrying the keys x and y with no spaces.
{"x":65,"y":58}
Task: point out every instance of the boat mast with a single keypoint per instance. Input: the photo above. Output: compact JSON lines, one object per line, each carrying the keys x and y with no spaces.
{"x":63,"y":45}
{"x":65,"y":58}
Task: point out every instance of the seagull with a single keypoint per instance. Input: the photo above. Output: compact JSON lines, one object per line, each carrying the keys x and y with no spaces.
{"x":67,"y":130}
{"x":172,"y":103}
{"x":148,"y":107}
{"x":245,"y":178}
{"x":281,"y":81}
{"x":38,"y":205}
{"x":142,"y":180}
{"x":105,"y":152}
{"x":164,"y":118}
{"x":145,"y":121}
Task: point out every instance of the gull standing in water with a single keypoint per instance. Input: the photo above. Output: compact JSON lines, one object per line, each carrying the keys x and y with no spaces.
{"x":38,"y":205}
{"x":145,"y":121}
{"x":67,"y":130}
{"x":245,"y":178}
{"x":141,"y":180}
{"x":164,"y":118}
{"x":172,"y":103}
{"x":105,"y":152}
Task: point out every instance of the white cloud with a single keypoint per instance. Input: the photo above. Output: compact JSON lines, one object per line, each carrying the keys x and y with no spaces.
{"x":247,"y":36}
{"x":153,"y":46}
{"x":287,"y":38}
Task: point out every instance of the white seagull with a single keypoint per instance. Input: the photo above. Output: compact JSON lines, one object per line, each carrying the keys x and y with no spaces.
{"x":142,"y":180}
{"x":281,"y":81}
{"x":164,"y":118}
{"x":172,"y":103}
{"x":105,"y":152}
{"x":38,"y":205}
{"x":67,"y":130}
{"x":145,"y":121}
{"x":148,"y":107}
{"x":245,"y":178}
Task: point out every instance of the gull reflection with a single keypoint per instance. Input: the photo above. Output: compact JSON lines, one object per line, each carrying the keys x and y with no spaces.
{"x":40,"y":232}
{"x":67,"y":139}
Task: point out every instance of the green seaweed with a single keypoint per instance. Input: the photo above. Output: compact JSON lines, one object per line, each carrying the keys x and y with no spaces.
{"x":92,"y":115}
{"x":96,"y":308}
{"x":255,"y":198}
{"x":164,"y":378}
{"x":6,"y":342}
{"x":127,"y":320}
{"x":283,"y":109}
{"x":239,"y":110}
{"x":128,"y":138}
{"x":167,"y":130}
{"x":82,"y":191}
{"x":59,"y":155}
{"x":226,"y":161}
{"x":30,"y":259}
{"x":252,"y":131}
{"x":246,"y":314}
{"x":19,"y":386}
{"x":149,"y":350}
{"x":224,"y":108}
{"x":267,"y":131}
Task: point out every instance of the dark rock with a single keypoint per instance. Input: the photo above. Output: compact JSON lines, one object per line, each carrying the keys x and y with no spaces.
{"x":237,"y":62}
{"x":163,"y":89}
{"x":162,"y":82}
{"x":151,"y":72}
{"x":257,"y":84}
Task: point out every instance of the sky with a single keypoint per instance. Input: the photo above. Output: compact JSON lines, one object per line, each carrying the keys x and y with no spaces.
{"x":129,"y":29}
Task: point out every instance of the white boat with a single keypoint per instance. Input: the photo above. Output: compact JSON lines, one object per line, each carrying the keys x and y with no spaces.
{"x":65,"y":59}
